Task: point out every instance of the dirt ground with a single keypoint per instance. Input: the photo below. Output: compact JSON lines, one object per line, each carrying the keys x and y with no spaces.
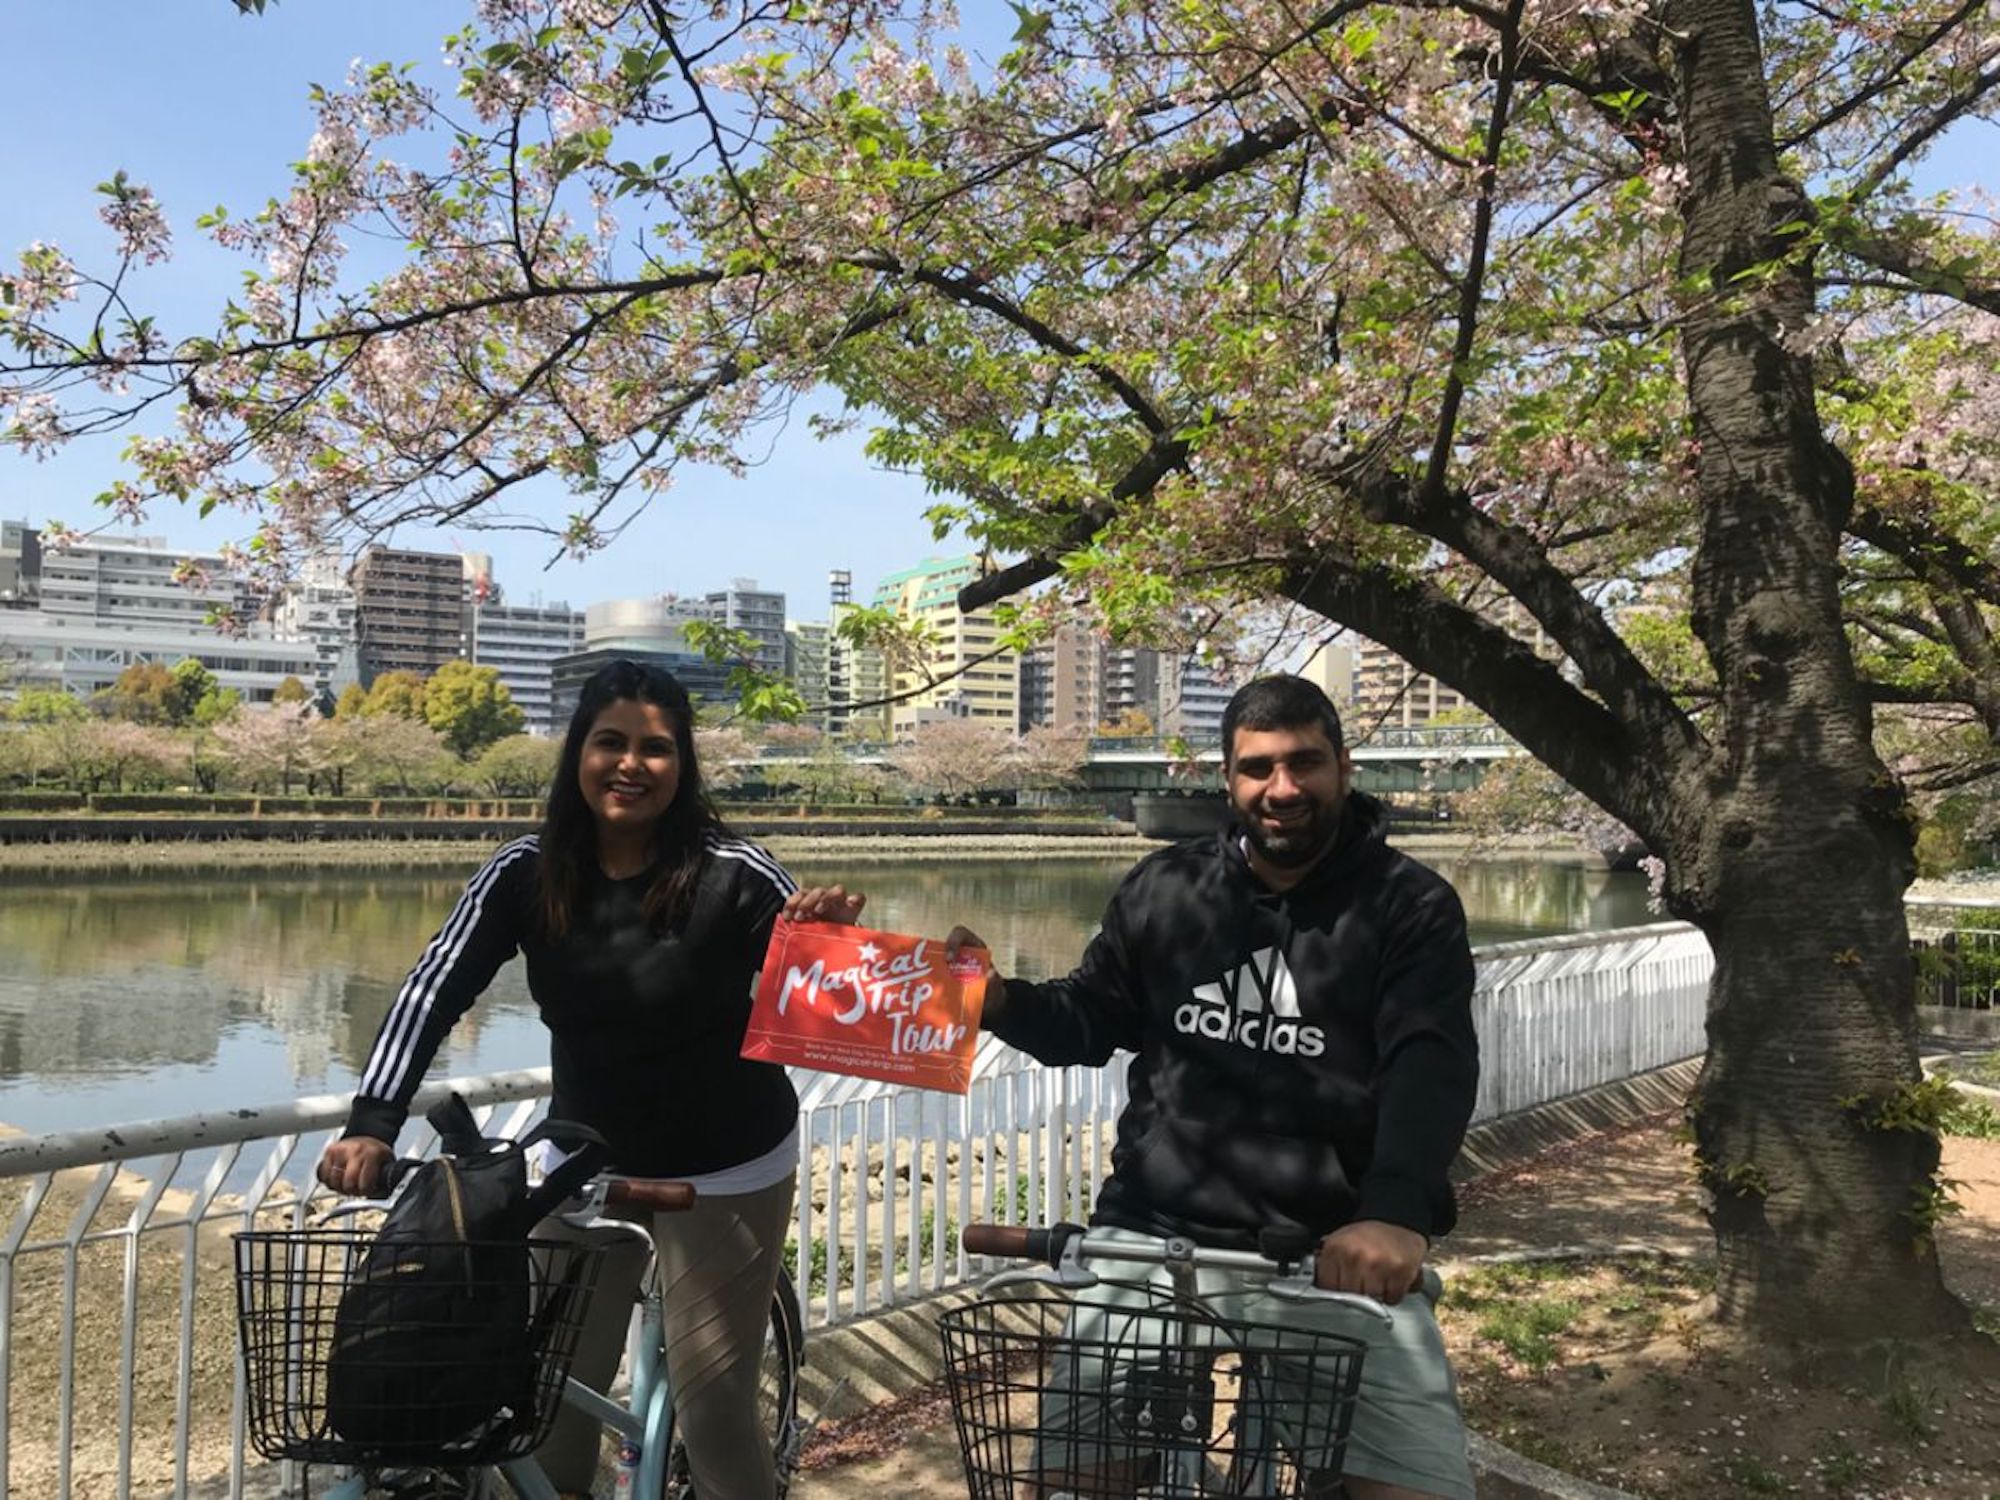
{"x":1637,"y":1390}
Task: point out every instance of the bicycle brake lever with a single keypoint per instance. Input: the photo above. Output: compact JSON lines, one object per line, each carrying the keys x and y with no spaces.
{"x":1301,"y":1289}
{"x":1042,"y":1276}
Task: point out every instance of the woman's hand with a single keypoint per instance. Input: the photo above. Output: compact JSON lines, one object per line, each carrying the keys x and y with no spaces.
{"x":356,"y":1167}
{"x":824,"y":903}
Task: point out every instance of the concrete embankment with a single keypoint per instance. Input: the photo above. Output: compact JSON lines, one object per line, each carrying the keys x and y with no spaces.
{"x":42,"y":844}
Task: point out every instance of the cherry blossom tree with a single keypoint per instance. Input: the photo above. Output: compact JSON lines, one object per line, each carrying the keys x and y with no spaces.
{"x":722,"y":751}
{"x":1620,"y":314}
{"x":401,"y":754}
{"x":518,"y":766}
{"x":1049,"y":759}
{"x":953,"y":758}
{"x":270,"y":744}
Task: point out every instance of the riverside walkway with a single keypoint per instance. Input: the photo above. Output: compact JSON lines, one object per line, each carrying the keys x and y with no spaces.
{"x":117,"y":1349}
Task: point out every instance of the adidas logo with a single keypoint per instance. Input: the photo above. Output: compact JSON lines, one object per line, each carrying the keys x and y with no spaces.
{"x":1255,"y":1005}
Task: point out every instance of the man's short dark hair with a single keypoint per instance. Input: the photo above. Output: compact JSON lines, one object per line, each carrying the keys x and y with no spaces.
{"x":1279,"y":702}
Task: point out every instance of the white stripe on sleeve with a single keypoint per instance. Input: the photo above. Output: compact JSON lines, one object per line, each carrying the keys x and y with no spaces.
{"x":395,"y":1048}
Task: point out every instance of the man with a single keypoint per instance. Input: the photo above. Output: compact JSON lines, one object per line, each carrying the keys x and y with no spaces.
{"x":1298,"y":997}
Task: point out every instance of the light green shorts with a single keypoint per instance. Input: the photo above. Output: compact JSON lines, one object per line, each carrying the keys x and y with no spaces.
{"x":1406,"y":1427}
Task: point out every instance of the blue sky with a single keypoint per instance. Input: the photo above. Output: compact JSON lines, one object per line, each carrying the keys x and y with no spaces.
{"x":207,"y":106}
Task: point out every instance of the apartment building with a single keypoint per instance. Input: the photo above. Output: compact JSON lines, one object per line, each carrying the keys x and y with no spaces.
{"x":137,"y":581}
{"x":758,"y":613}
{"x":1063,"y":681}
{"x":318,"y":608}
{"x":409,"y":610}
{"x":963,"y":674}
{"x":523,"y":642}
{"x":807,"y":645}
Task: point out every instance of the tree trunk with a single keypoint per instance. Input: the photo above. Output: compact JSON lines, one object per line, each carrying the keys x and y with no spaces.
{"x":1793,"y":851}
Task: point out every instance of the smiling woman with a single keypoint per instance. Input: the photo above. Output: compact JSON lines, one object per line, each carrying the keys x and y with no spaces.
{"x":629,"y":772}
{"x":642,"y":922}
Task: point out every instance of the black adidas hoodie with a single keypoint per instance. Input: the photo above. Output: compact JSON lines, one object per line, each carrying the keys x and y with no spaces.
{"x":1305,"y":1058}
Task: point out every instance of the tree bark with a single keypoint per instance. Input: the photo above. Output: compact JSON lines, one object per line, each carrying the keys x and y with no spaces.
{"x":1792,"y":852}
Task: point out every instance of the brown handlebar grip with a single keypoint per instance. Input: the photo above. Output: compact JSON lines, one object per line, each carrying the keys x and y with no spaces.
{"x":661,"y":1197}
{"x":997,"y":1239}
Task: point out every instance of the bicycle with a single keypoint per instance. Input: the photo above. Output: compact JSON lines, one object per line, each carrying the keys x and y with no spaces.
{"x":289,"y":1287}
{"x":1070,"y":1385}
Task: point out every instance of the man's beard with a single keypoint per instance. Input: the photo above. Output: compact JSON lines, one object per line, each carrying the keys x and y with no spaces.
{"x":1296,"y":846}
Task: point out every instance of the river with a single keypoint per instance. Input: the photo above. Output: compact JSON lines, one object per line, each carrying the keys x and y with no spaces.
{"x":143,"y":998}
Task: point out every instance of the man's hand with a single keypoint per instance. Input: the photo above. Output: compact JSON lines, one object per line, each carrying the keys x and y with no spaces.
{"x":824,"y":903}
{"x":357,"y":1167}
{"x":996,"y":987}
{"x":1373,"y":1258}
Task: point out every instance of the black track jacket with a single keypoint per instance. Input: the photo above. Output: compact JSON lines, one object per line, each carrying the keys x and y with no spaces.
{"x":645,"y":1028}
{"x":1304,"y":1058}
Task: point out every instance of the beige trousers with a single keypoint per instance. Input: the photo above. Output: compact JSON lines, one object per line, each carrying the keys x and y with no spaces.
{"x":718,"y":1270}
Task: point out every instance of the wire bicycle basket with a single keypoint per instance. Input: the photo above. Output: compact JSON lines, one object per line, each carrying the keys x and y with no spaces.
{"x":1124,"y":1388}
{"x":366,"y":1351}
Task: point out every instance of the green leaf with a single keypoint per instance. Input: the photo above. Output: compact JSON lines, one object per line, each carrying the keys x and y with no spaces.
{"x":1034,"y":24}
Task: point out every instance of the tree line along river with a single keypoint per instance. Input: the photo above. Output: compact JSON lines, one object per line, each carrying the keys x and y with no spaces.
{"x":127,"y":998}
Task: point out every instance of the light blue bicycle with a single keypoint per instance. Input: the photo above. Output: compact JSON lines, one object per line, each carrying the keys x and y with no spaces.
{"x":290,"y":1285}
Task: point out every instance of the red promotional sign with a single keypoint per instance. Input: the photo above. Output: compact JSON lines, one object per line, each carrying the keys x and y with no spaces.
{"x":842,"y":999}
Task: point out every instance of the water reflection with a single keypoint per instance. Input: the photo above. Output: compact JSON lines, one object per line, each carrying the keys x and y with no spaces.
{"x":140,"y":998}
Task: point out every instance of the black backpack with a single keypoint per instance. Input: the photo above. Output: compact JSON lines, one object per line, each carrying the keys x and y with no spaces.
{"x":437,"y":1338}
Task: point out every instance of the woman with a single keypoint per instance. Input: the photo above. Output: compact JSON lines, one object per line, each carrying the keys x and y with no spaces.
{"x":643,"y":924}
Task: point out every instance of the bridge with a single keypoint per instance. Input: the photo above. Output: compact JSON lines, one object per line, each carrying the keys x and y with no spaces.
{"x":1444,"y":758}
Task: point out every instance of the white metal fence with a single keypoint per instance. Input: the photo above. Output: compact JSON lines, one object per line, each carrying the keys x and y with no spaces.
{"x":117,"y":1337}
{"x":1957,"y":947}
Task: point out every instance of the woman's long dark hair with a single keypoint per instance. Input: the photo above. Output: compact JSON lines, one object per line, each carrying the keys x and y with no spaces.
{"x":569,"y":830}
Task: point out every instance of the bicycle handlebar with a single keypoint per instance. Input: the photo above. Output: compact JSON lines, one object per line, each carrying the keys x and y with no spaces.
{"x":1067,"y":1246}
{"x":1014,"y":1241}
{"x":602,"y":1191}
{"x":661,"y":1197}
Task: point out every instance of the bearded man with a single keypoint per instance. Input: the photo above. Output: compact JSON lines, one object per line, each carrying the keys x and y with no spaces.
{"x":1297,"y":997}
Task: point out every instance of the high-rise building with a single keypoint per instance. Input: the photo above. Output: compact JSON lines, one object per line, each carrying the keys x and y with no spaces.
{"x":20,"y":565}
{"x":857,"y":684}
{"x":1193,"y":696}
{"x":1331,"y":668}
{"x":137,"y":581}
{"x":857,"y":677}
{"x":523,"y":642}
{"x":1131,"y":686}
{"x":965,"y":674}
{"x":318,"y":607}
{"x":806,"y":663}
{"x":1063,"y":679}
{"x":649,"y":631}
{"x":759,"y":614}
{"x":409,"y":610}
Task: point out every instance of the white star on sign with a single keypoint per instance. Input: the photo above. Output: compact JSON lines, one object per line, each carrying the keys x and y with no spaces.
{"x":869,"y":953}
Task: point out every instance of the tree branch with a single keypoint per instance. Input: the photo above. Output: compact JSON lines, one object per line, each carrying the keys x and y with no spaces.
{"x":1887,"y":81}
{"x":1515,"y":561}
{"x":1928,"y":550}
{"x":1474,"y":281}
{"x":1573,"y":734}
{"x":1945,"y":114}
